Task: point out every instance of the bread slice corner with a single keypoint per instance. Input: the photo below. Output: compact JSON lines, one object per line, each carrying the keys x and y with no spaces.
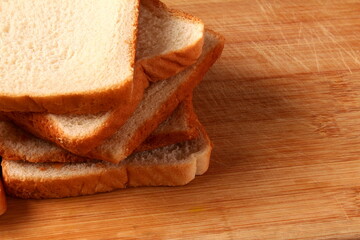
{"x":168,"y":40}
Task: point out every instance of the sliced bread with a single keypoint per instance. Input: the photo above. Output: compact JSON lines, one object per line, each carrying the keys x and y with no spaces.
{"x":179,"y":127}
{"x":159,"y":101}
{"x":67,"y":56}
{"x":17,"y":145}
{"x":172,"y":165}
{"x":161,"y":53}
{"x":168,"y":40}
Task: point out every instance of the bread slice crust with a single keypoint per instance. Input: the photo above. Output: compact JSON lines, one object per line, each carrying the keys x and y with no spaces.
{"x":18,"y":145}
{"x":121,"y":144}
{"x":45,"y":180}
{"x":168,"y":63}
{"x":214,"y":44}
{"x":44,"y":126}
{"x":165,"y":65}
{"x":80,"y":102}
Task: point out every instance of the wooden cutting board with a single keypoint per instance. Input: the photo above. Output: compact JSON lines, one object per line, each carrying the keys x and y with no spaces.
{"x":283,"y":109}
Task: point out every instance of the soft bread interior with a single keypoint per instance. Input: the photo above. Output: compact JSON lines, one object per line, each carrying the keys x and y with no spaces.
{"x":162,"y":31}
{"x":168,"y":166}
{"x":53,"y":47}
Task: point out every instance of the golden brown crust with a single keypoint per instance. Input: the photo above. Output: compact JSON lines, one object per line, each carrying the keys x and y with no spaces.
{"x":168,"y":107}
{"x":71,"y":187}
{"x":78,"y":103}
{"x":43,"y":127}
{"x":57,"y":154}
{"x":166,"y":65}
{"x":203,"y":157}
{"x":110,"y":180}
{"x":130,"y":174}
{"x":212,"y":56}
{"x":122,"y":176}
{"x":154,"y":69}
{"x":163,"y":66}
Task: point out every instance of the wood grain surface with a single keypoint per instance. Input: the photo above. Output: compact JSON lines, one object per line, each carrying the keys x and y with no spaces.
{"x":282,"y":107}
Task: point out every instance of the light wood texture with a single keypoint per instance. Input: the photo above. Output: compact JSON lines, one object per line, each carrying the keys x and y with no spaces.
{"x":283,"y":109}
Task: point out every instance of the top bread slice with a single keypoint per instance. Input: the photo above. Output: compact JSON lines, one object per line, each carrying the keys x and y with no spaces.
{"x":67,"y":56}
{"x":159,"y":59}
{"x":17,"y":145}
{"x":172,"y":165}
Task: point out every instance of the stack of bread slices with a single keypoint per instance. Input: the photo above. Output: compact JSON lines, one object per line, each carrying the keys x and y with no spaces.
{"x":97,"y":95}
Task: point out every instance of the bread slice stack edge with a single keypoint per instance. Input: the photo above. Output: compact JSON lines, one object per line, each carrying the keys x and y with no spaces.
{"x":117,"y":111}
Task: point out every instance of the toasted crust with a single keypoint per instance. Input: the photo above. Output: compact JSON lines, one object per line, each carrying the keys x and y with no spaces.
{"x":111,"y":178}
{"x":43,"y":127}
{"x":168,"y":107}
{"x":203,"y":156}
{"x":166,"y":65}
{"x":76,"y":103}
{"x":79,"y":102}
